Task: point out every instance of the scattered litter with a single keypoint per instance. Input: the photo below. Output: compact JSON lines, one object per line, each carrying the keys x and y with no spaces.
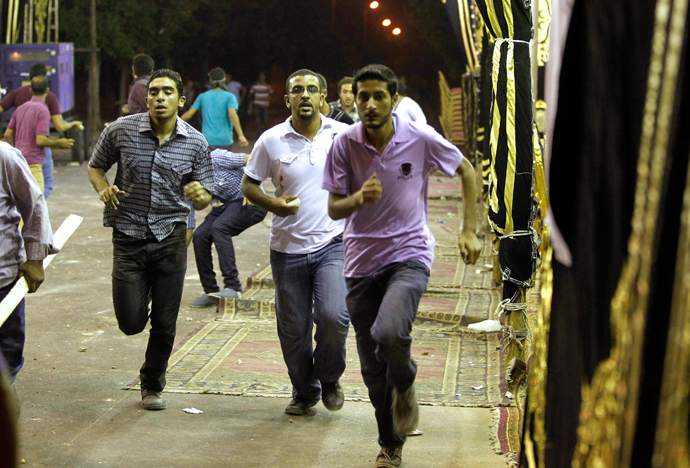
{"x":189,"y":319}
{"x":486,"y":326}
{"x":440,"y":221}
{"x":477,"y":387}
{"x":414,"y":433}
{"x":113,"y":367}
{"x":239,"y":361}
{"x":192,"y":411}
{"x":425,"y":353}
{"x":509,"y":395}
{"x":82,"y":350}
{"x":488,"y":266}
{"x":458,"y":394}
{"x":291,"y":421}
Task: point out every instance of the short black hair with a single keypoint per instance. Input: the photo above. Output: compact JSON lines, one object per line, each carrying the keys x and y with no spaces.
{"x":344,"y":81}
{"x":39,"y":85}
{"x":402,"y":87}
{"x":379,"y":73}
{"x":301,"y":72}
{"x":216,"y":77}
{"x":38,"y":69}
{"x":167,"y":73}
{"x":323,"y":84}
{"x":142,"y":64}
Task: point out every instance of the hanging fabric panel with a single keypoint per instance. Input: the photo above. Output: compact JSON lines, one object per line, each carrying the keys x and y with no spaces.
{"x":509,"y":134}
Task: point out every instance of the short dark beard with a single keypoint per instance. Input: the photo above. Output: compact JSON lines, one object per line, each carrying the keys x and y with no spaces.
{"x":305,"y":118}
{"x":379,"y":125}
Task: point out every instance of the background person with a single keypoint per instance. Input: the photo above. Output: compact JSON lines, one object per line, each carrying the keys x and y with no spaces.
{"x":231,"y":218}
{"x":19,"y":96}
{"x":218,"y":113}
{"x":29,"y":130}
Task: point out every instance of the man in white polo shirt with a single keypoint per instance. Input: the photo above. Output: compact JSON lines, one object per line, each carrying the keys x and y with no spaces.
{"x":306,"y":245}
{"x":377,"y":174}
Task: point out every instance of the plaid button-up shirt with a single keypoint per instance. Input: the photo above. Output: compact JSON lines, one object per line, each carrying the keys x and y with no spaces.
{"x":151,"y":175}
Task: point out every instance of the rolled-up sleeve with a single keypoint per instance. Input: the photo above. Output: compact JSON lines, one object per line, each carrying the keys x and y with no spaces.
{"x":27,"y":197}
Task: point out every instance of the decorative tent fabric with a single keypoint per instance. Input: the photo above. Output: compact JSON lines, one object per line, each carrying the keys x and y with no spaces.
{"x":511,"y":149}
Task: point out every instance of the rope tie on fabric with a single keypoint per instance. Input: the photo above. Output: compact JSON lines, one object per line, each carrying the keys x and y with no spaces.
{"x":501,"y":40}
{"x":511,"y":335}
{"x":507,"y":306}
{"x":513,"y":234}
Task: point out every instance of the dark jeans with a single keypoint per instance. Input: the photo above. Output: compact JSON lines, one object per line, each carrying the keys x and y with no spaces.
{"x":12,"y":334}
{"x":261,"y":118}
{"x":310,"y":289}
{"x":382,"y":308}
{"x":140,"y":267}
{"x":219,"y":227}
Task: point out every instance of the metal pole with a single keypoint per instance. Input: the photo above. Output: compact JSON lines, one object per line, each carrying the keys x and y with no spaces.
{"x":94,"y":104}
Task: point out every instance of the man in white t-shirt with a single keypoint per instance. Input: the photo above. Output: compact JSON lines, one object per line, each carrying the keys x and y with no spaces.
{"x":406,"y":107}
{"x":306,"y":245}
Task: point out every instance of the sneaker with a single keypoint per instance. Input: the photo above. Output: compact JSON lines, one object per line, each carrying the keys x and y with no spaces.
{"x":204,"y":301}
{"x":405,"y":411}
{"x":301,"y":407}
{"x":152,"y":401}
{"x":227,"y":293}
{"x":332,"y":395}
{"x":389,"y":457}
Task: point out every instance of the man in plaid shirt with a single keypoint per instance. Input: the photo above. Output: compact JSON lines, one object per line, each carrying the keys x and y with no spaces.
{"x":161,"y":161}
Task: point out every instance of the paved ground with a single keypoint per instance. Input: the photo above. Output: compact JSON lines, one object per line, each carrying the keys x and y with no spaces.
{"x":75,"y":413}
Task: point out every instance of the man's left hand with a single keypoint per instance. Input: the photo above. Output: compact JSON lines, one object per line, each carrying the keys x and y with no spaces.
{"x":32,"y":271}
{"x":470,"y":247}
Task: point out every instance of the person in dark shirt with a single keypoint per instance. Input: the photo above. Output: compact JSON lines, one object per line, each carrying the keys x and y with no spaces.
{"x":328,"y":110}
{"x":162,"y":165}
{"x":142,"y":67}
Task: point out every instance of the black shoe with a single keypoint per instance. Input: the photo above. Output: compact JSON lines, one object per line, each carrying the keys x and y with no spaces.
{"x":405,"y":411}
{"x":389,"y":457}
{"x":301,"y":407}
{"x":332,"y":395}
{"x":152,"y":401}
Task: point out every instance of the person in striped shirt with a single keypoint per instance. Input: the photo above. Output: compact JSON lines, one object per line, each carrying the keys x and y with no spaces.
{"x":163,"y":163}
{"x":261,"y":94}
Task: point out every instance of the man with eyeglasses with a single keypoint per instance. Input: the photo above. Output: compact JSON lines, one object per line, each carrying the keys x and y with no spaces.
{"x":306,"y":245}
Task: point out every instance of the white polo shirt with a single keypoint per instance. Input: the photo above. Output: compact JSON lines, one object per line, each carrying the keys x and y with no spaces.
{"x":295,"y":165}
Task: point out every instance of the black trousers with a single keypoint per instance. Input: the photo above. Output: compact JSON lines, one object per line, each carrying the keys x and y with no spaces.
{"x":219,"y":227}
{"x":142,"y":267}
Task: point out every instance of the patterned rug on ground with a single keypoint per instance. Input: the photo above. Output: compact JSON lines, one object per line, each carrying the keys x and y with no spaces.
{"x":242,"y":356}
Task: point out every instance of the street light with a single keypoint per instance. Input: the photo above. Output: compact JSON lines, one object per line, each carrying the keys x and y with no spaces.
{"x":374,"y":5}
{"x":396,"y":31}
{"x":386,"y":22}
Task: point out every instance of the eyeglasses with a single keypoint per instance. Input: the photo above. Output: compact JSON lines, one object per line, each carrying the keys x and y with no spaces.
{"x":298,"y":90}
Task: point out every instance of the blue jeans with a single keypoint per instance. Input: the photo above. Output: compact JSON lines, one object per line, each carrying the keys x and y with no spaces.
{"x":383,"y":307}
{"x":12,"y":334}
{"x":47,"y":173}
{"x":310,"y":290}
{"x":142,"y":267}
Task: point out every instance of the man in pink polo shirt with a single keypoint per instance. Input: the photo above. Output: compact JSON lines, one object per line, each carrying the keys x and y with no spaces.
{"x":377,"y":174}
{"x":29,"y":129}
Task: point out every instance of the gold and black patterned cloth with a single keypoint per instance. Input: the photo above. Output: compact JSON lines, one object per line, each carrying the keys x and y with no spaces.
{"x":509,"y":130}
